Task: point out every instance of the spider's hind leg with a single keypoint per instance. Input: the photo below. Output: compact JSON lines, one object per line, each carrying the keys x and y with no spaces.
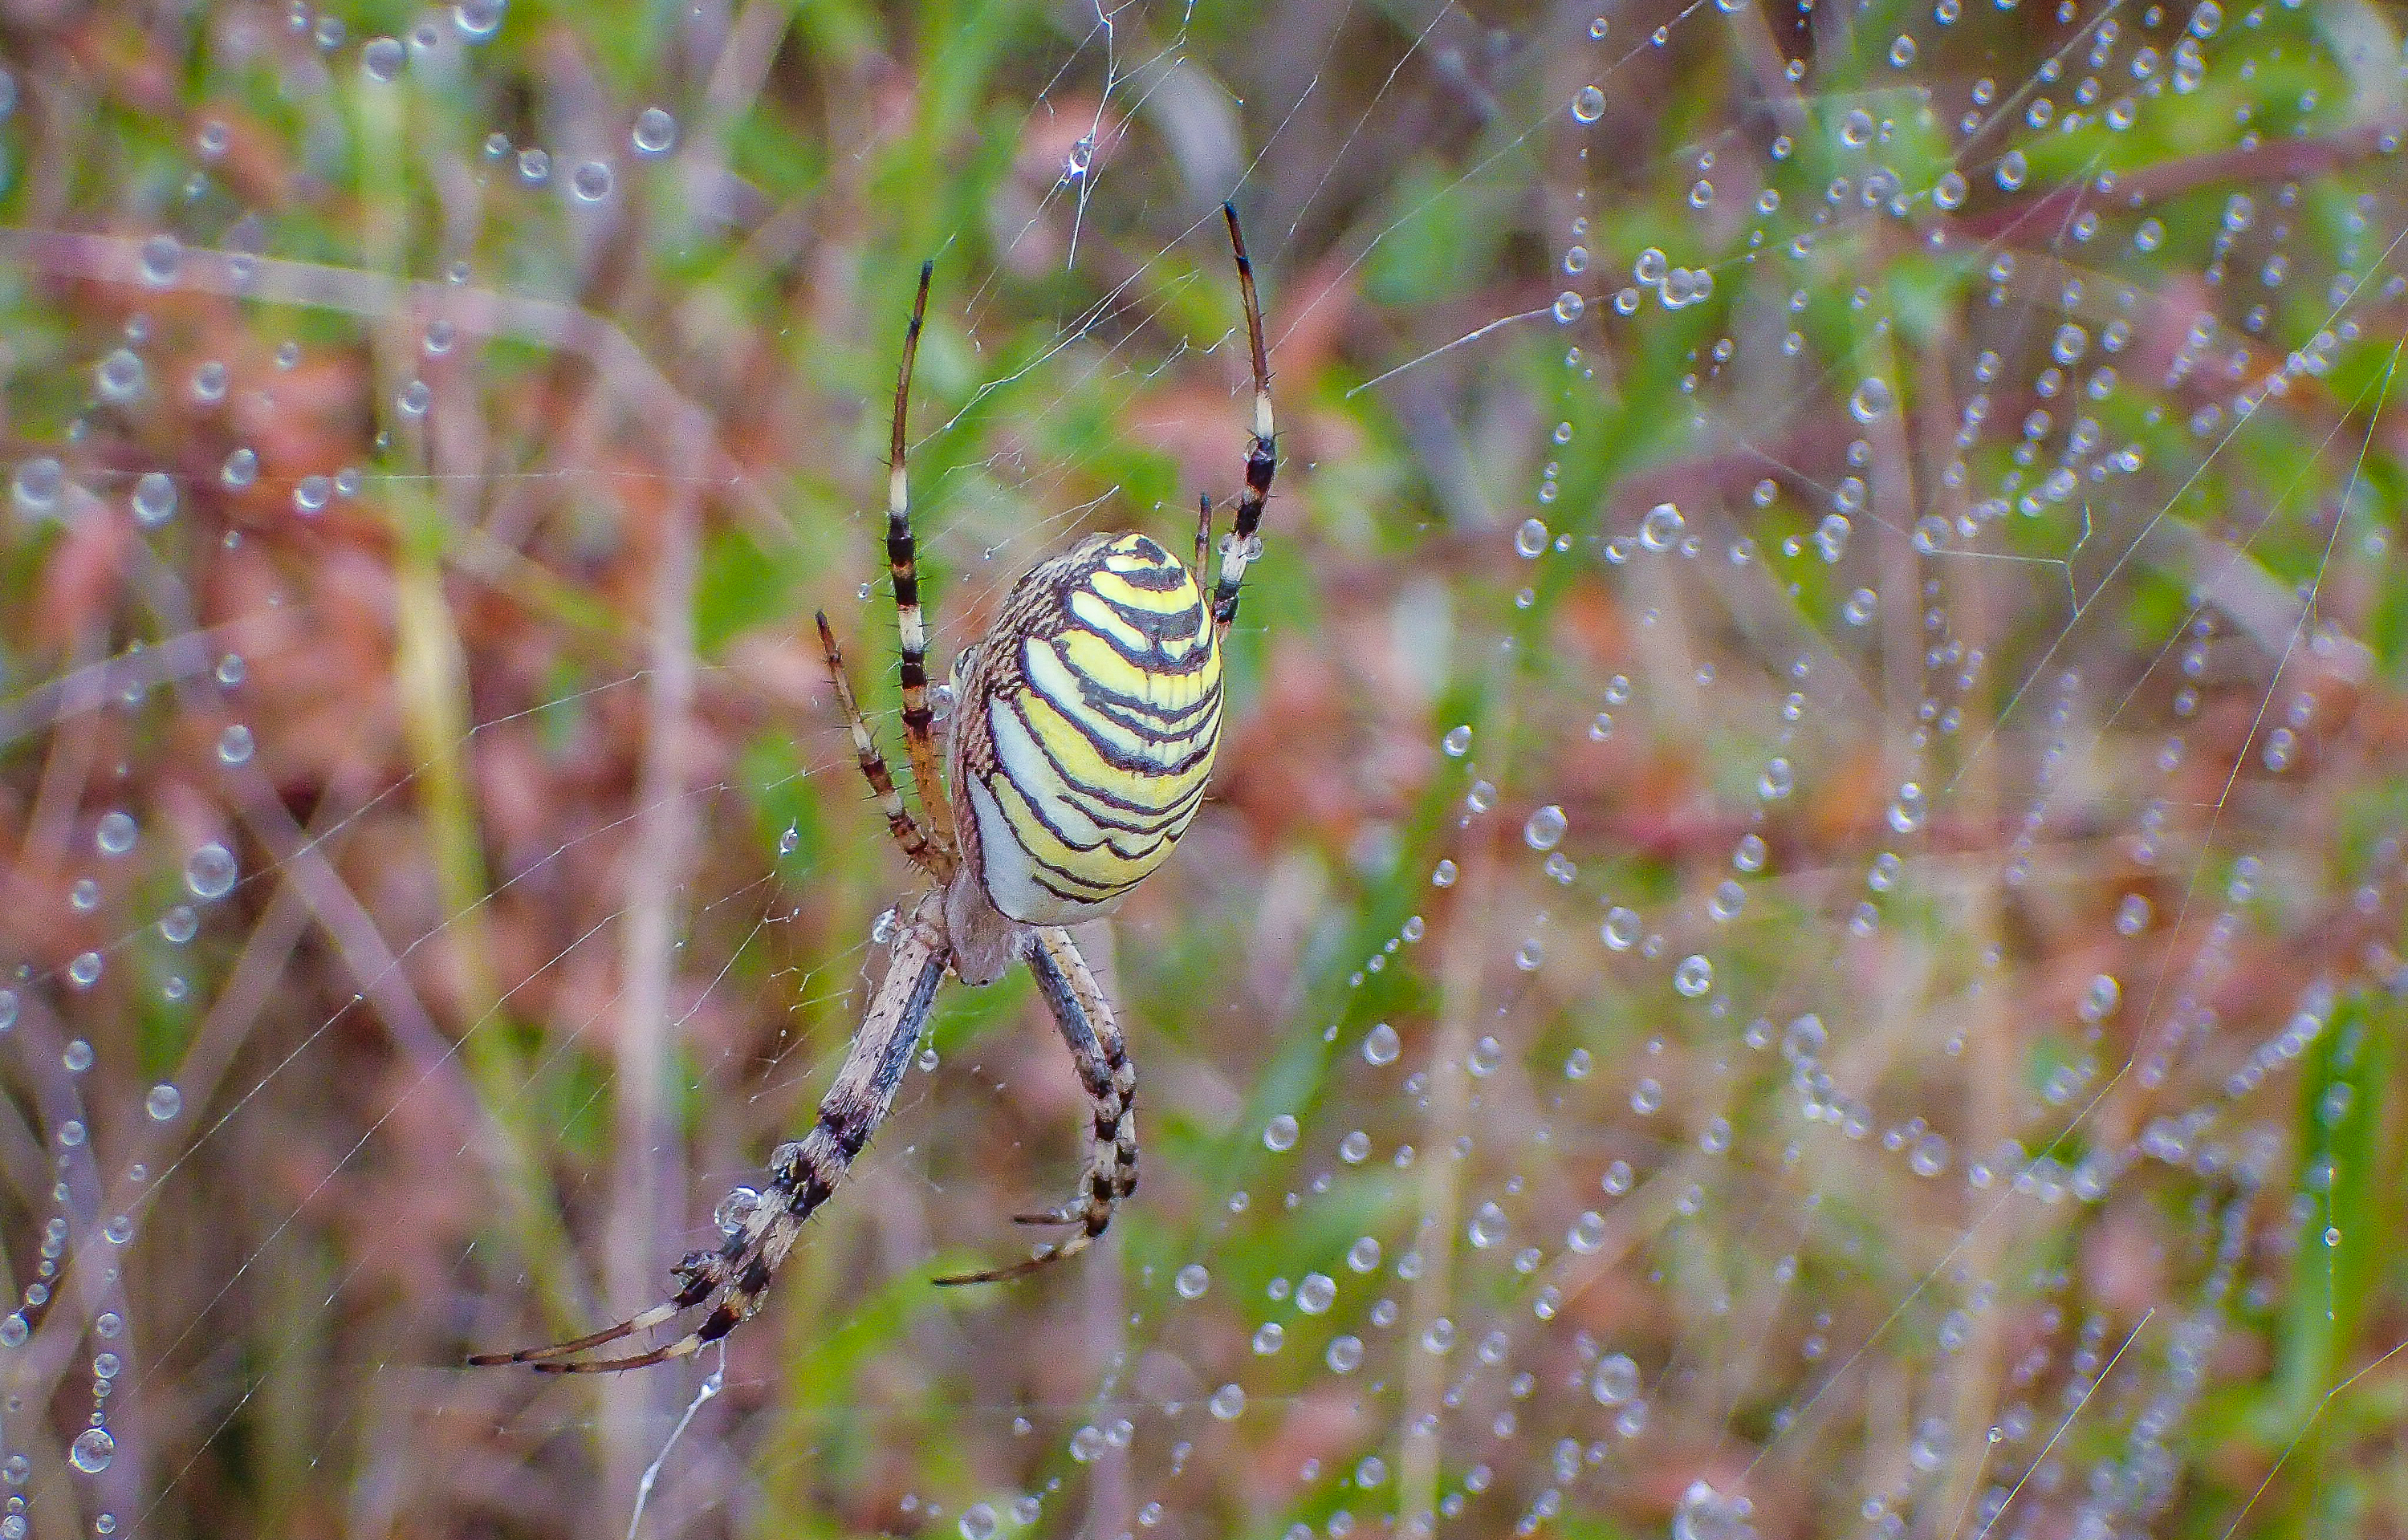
{"x":1085,"y":1018}
{"x":733,"y":1280}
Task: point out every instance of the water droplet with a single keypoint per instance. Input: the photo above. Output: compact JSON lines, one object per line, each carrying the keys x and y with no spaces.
{"x":1588,"y":103}
{"x":1316,"y":1294}
{"x":163,"y":1101}
{"x":210,"y":871}
{"x":1458,"y":742}
{"x":92,"y":1450}
{"x":591,"y":181}
{"x":1621,"y":929}
{"x":121,"y":377}
{"x":1485,"y":1057}
{"x":311,"y":493}
{"x":1443,"y":874}
{"x":1544,"y":829}
{"x":83,"y":971}
{"x":1704,"y":1514}
{"x":2132,"y":915}
{"x":1487,"y":1227}
{"x":38,"y":484}
{"x":154,"y":499}
{"x":1906,"y":814}
{"x":414,"y":399}
{"x":1226,"y":1402}
{"x":1661,"y":529}
{"x":1191,"y":1280}
{"x":1776,"y":781}
{"x":1280,"y":1133}
{"x":1269,"y":1337}
{"x":234,"y":745}
{"x":210,"y":383}
{"x":1615,"y":1381}
{"x":1355,"y":1148}
{"x":179,"y":924}
{"x":1364,"y":1255}
{"x":115,"y":833}
{"x":160,"y":256}
{"x":1860,"y":608}
{"x":1345,"y":1355}
{"x":1530,"y":540}
{"x":1569,"y":306}
{"x":1929,"y":1156}
{"x":241,"y":468}
{"x":478,"y":20}
{"x":383,"y":58}
{"x":978,"y":1522}
{"x":1647,"y":1096}
{"x":655,"y":131}
{"x":1694,"y":977}
{"x":733,"y":1210}
{"x":534,"y":168}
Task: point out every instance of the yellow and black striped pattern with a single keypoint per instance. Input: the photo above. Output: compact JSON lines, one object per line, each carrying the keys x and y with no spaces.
{"x":1097,"y":702}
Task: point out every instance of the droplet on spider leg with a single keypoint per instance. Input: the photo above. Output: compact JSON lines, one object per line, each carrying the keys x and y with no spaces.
{"x":881,"y":929}
{"x":734,"y":1209}
{"x":941,"y":698}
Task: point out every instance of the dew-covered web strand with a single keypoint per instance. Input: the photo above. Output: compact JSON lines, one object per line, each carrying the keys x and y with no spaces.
{"x":2164,"y":510}
{"x":132,"y":1203}
{"x":2063,"y":1424}
{"x":2199,"y":874}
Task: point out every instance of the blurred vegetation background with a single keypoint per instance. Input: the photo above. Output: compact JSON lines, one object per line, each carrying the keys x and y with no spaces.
{"x":1798,"y":932}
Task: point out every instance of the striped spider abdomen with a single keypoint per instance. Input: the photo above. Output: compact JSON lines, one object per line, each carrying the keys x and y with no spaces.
{"x":1086,"y":728}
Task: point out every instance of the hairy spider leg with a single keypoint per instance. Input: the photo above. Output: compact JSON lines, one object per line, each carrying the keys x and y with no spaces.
{"x":900,"y":822}
{"x":1085,"y":1015}
{"x":733,"y":1279}
{"x":911,"y":620}
{"x":1262,"y":451}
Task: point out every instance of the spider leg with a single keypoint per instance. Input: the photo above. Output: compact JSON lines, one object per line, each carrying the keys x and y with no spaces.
{"x":911,"y":621}
{"x":1203,"y":532}
{"x":1262,"y":451}
{"x":734,"y":1278}
{"x":1085,"y":1015}
{"x":899,"y":822}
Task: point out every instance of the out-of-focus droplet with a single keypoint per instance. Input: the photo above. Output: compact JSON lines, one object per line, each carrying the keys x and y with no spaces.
{"x":654,"y":134}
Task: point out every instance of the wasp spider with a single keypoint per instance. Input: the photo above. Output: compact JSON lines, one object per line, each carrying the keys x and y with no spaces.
{"x":1085,"y":728}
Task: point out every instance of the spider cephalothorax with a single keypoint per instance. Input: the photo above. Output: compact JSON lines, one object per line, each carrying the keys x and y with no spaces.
{"x":1086,"y":722}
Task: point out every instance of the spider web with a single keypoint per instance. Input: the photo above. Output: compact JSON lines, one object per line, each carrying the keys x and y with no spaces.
{"x":1798,"y":932}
